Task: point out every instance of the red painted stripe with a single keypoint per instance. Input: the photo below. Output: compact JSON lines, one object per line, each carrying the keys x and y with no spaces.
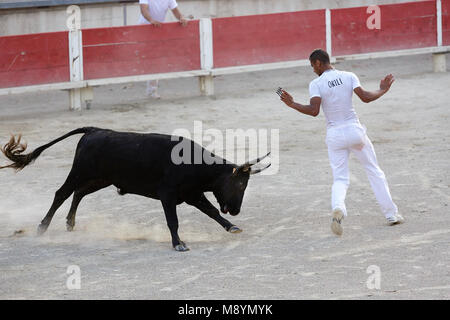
{"x":445,"y":22}
{"x":267,"y":38}
{"x":403,"y":26}
{"x":34,"y":59}
{"x":144,"y":49}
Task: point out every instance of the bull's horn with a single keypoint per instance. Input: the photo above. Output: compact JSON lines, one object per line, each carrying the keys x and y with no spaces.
{"x":259,"y":170}
{"x":251,"y":163}
{"x":246,"y":166}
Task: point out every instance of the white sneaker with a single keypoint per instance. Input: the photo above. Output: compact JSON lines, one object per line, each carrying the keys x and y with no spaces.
{"x":395,"y":219}
{"x":336,"y":224}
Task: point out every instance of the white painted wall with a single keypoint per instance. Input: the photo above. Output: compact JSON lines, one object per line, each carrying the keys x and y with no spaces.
{"x":36,"y":20}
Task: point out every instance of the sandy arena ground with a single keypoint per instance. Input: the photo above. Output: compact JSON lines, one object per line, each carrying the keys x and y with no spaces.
{"x":287,"y":250}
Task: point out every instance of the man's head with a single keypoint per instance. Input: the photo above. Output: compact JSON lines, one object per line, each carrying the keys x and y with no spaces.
{"x":320,"y":61}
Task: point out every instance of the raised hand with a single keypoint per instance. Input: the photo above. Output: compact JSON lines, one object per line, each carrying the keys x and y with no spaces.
{"x":286,"y":98}
{"x":386,"y":83}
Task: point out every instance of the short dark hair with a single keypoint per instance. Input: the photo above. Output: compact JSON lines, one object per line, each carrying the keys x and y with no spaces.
{"x":320,"y":55}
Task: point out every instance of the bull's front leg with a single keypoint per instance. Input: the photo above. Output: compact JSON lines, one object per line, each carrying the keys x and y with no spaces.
{"x":205,"y":206}
{"x":169,"y":204}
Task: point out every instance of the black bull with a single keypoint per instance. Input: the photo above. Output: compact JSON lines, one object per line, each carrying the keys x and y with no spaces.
{"x":143,"y":164}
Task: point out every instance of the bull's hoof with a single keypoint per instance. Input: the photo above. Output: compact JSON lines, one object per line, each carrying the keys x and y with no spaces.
{"x":41,"y":229}
{"x":69,"y":227}
{"x":234,"y":229}
{"x":181,"y":247}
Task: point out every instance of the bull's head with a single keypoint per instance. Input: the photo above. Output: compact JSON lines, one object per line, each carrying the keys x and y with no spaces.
{"x":232,"y":187}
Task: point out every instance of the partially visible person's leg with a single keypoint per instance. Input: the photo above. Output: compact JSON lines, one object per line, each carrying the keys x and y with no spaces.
{"x":377,"y":178}
{"x":339,"y":165}
{"x":338,"y":153}
{"x":152,"y":85}
{"x":152,"y":89}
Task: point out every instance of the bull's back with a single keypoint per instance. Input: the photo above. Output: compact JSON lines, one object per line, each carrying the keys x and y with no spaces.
{"x":124,"y":155}
{"x":140,"y":163}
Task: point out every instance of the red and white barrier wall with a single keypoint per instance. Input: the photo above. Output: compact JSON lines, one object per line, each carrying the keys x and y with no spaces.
{"x":402,"y":26}
{"x":246,"y":40}
{"x":34,"y":59}
{"x":203,"y":47}
{"x":137,"y":50}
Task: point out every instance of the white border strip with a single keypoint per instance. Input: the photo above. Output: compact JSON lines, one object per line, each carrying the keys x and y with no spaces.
{"x":263,"y":67}
{"x":394,"y":53}
{"x":260,"y":67}
{"x":43,"y":87}
{"x":206,"y":43}
{"x":328,"y":30}
{"x":99,"y":82}
{"x":439,"y":22}
{"x":147,"y":77}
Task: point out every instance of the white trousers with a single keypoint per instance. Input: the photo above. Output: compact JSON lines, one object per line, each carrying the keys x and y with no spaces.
{"x":342,"y":140}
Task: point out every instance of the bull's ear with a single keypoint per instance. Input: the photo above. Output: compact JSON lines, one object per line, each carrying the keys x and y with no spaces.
{"x":241,"y":169}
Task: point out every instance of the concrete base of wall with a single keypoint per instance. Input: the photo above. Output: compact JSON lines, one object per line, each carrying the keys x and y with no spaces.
{"x":439,"y":62}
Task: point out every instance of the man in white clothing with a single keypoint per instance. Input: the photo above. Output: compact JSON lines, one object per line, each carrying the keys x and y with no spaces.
{"x":333,"y":90}
{"x":154,"y":12}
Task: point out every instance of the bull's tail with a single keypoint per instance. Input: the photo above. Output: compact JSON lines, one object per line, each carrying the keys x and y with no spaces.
{"x":14,"y":148}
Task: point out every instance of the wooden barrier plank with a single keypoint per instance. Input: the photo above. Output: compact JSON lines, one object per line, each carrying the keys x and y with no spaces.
{"x":403,"y":26}
{"x":143,"y":49}
{"x":445,"y":22}
{"x":34,"y":59}
{"x":267,"y":38}
{"x":101,"y":82}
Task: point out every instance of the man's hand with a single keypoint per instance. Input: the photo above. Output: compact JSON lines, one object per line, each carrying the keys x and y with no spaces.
{"x":286,"y":98}
{"x":179,"y":16}
{"x":386,"y":83}
{"x":369,"y":96}
{"x":183,"y":21}
{"x":155,"y":23}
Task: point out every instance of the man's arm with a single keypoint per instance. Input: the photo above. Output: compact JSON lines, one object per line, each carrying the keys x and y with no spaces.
{"x":146,"y":14}
{"x":369,"y":96}
{"x":179,"y":16}
{"x":312,"y":109}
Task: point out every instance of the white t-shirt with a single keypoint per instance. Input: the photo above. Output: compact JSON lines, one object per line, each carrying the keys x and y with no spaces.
{"x":158,"y":9}
{"x":336,"y":89}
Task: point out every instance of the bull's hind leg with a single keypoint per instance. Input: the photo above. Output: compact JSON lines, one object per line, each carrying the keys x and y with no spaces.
{"x":80,"y":193}
{"x":60,"y":196}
